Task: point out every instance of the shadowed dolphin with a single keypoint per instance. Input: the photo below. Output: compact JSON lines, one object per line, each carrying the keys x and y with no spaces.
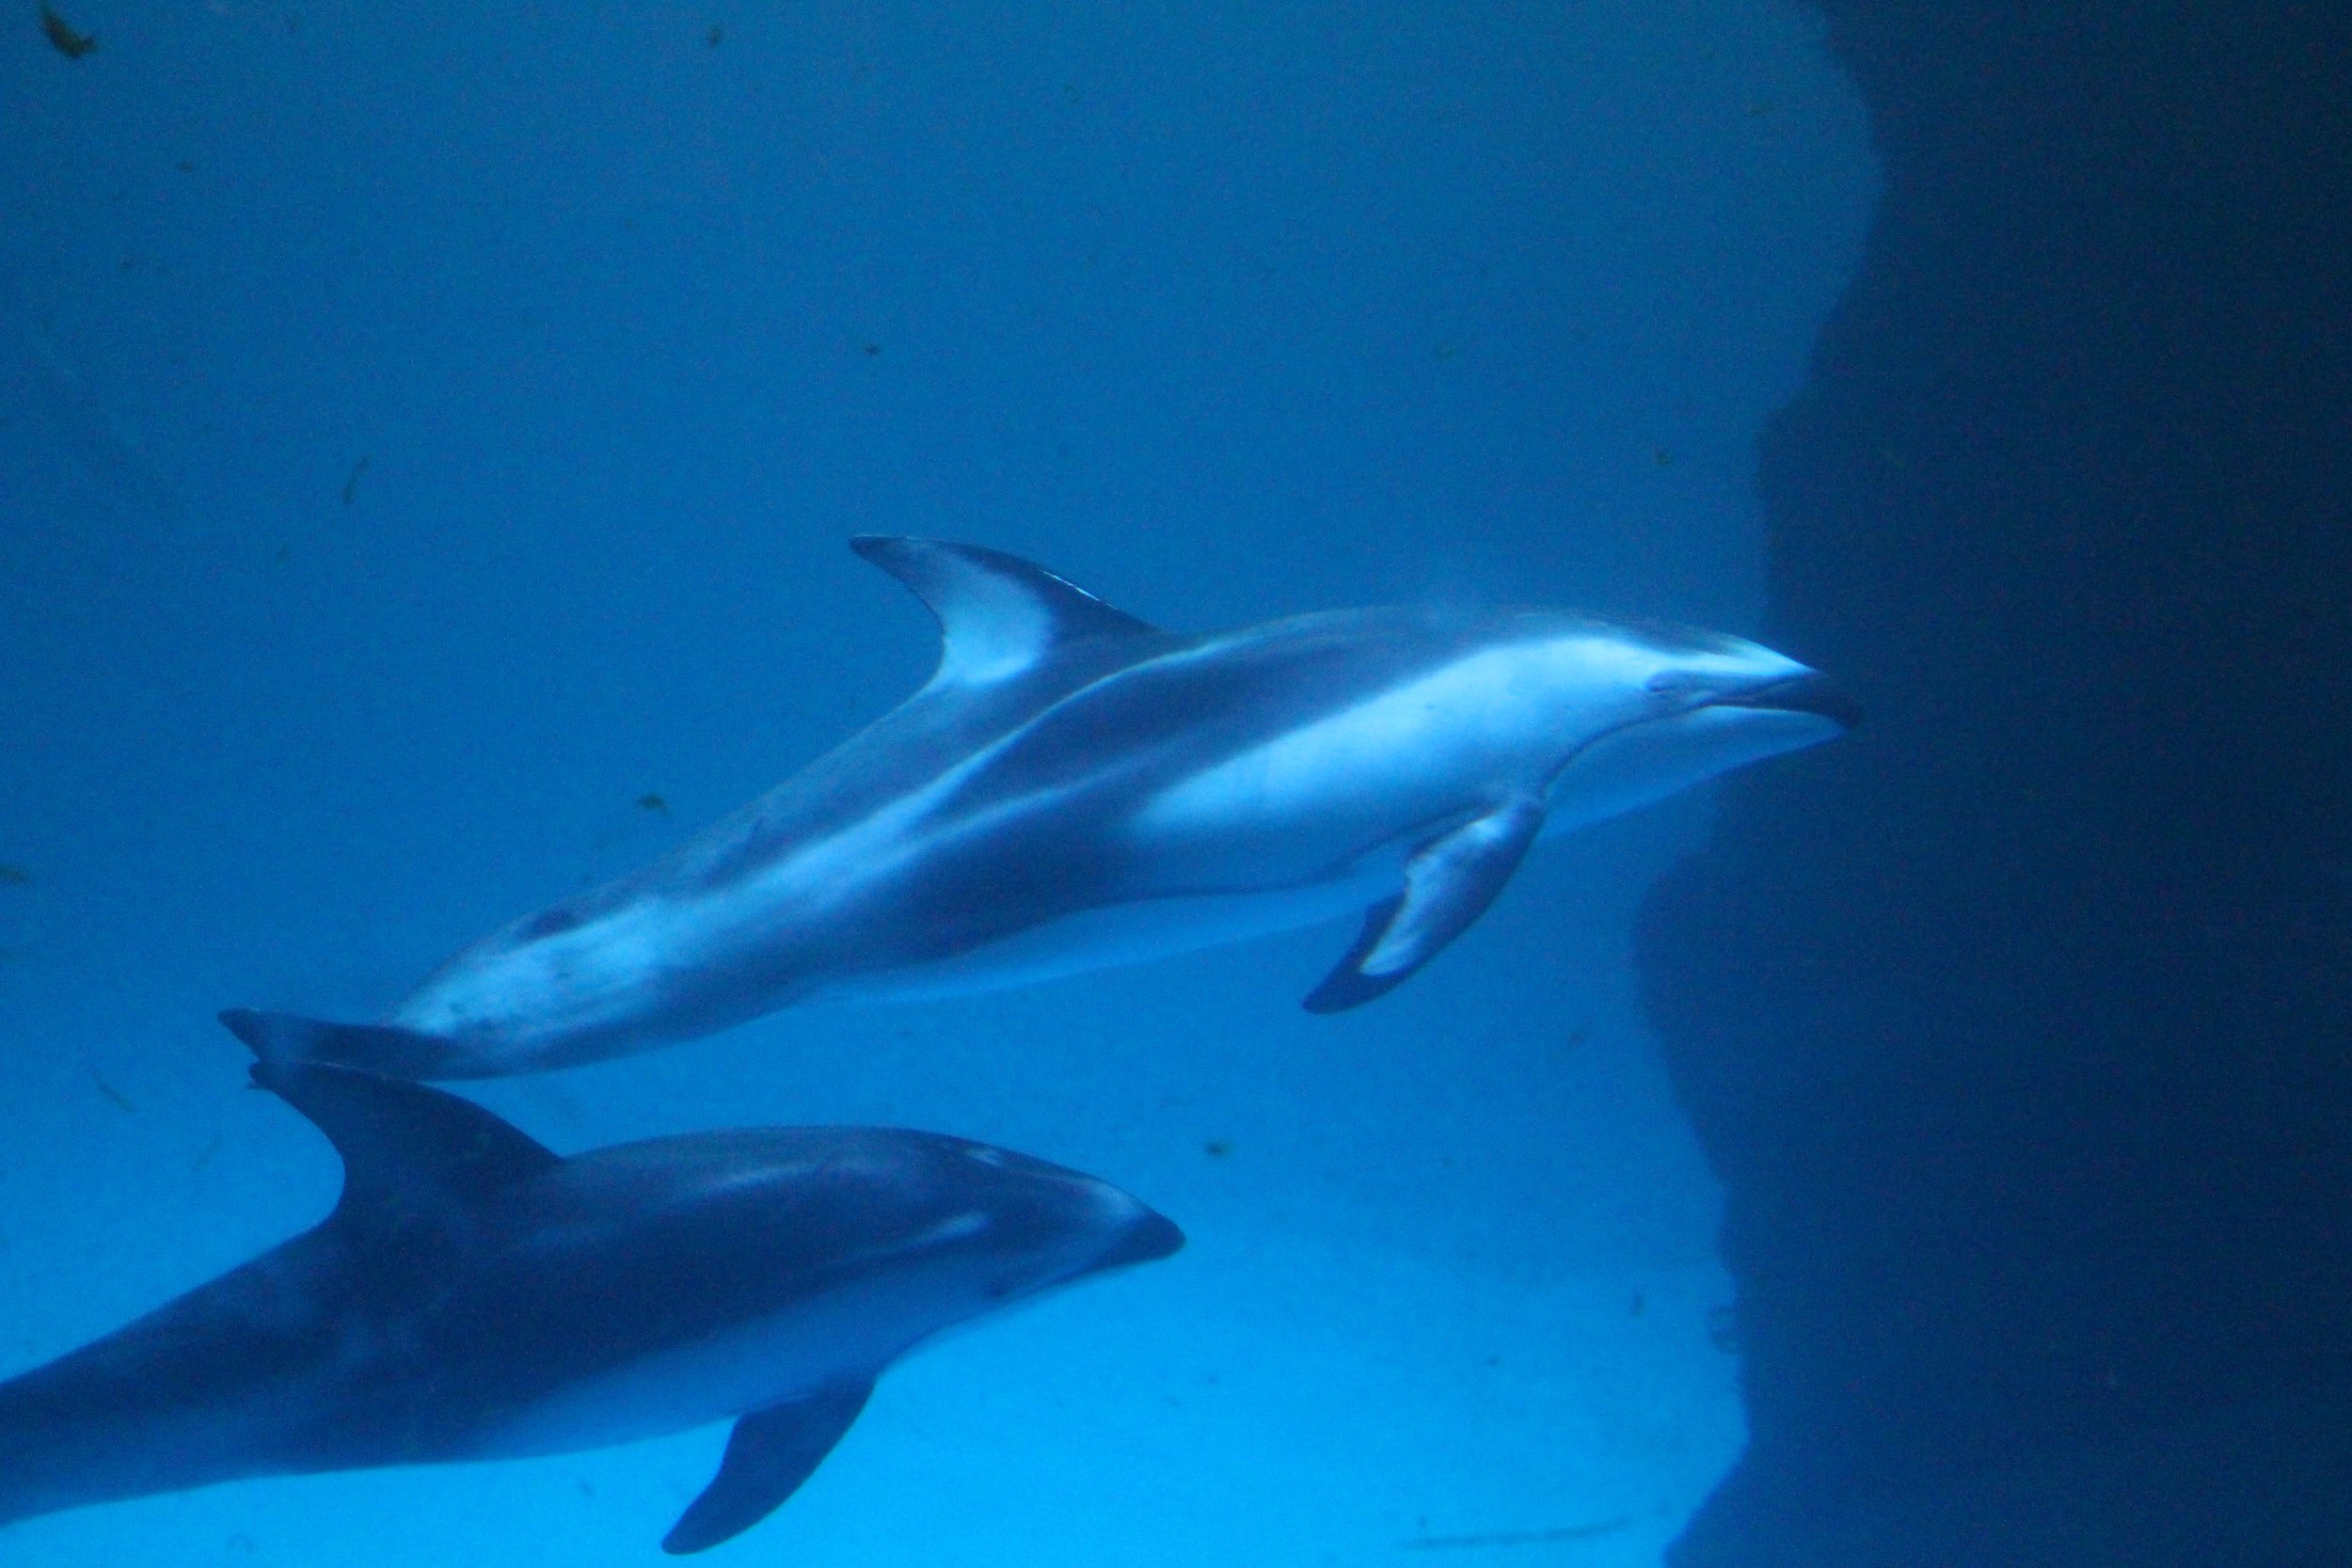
{"x":474,"y":1296}
{"x":1076,"y":788}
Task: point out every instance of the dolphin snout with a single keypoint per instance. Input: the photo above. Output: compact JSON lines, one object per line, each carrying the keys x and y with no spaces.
{"x":1810,"y":692}
{"x":1150,"y":1237}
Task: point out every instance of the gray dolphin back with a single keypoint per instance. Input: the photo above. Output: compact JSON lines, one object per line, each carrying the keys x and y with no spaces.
{"x":473,"y":1295}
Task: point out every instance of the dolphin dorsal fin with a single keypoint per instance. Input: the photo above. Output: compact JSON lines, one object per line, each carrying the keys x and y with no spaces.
{"x":998,"y":615}
{"x":405,"y":1147}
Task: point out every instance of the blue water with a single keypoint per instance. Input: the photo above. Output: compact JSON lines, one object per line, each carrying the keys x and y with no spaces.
{"x":429,"y":434}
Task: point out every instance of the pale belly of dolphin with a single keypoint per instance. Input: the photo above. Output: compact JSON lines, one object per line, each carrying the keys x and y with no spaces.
{"x":773,"y":1360}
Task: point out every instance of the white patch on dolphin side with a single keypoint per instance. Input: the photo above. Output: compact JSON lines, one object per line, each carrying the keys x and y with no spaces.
{"x":1502,"y":714}
{"x":850,"y":1333}
{"x":912,"y":1289}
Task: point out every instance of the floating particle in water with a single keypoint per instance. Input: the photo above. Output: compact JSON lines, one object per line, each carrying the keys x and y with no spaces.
{"x":1217,"y":1148}
{"x":1576,"y":1037}
{"x":62,"y":37}
{"x":870,"y":350}
{"x":116,"y":1096}
{"x":715,"y":36}
{"x":653,"y":802}
{"x":204,"y":1155}
{"x":13,"y":875}
{"x":1637,"y":1305}
{"x":1663,"y":458}
{"x":351,"y":480}
{"x":1517,"y":1537}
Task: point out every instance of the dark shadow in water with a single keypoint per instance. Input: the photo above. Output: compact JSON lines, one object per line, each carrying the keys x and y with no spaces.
{"x":2017,"y":1023}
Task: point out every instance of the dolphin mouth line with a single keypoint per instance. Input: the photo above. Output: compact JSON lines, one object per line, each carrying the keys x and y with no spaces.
{"x":1812,"y":692}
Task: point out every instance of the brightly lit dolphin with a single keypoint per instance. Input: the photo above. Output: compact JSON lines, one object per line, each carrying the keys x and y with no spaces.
{"x":1075,"y":788}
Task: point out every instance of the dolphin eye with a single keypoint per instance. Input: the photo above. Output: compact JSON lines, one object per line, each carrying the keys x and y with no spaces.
{"x":1671,"y":683}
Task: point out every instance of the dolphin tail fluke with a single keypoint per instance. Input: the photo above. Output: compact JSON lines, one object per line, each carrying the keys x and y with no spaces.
{"x":1448,"y":885}
{"x":285,"y":1040}
{"x":772,"y":1453}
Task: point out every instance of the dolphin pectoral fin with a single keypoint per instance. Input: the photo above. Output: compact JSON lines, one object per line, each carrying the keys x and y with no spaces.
{"x":772,"y":1453}
{"x":998,"y":615}
{"x":376,"y":1047}
{"x":1448,"y":886}
{"x":1348,"y":985}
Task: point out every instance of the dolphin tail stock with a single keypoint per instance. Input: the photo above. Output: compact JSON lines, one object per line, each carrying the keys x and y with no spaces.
{"x":101,"y":1424}
{"x":25,"y":1431}
{"x":282,"y":1039}
{"x":44,"y":1451}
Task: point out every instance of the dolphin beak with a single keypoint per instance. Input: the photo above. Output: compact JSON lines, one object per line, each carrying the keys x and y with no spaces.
{"x":1811,"y":692}
{"x":1151,"y":1237}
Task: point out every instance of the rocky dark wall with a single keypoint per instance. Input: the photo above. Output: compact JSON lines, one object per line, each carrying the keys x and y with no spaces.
{"x":2019,"y":1023}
